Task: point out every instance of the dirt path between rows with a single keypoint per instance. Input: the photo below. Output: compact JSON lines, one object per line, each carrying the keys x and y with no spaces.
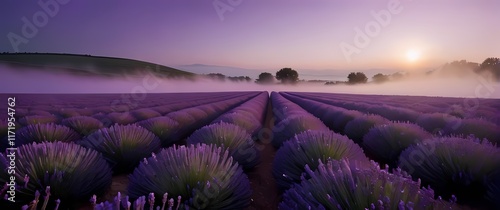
{"x":265,"y":191}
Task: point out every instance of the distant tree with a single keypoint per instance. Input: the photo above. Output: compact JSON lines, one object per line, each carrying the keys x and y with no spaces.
{"x":217,"y":76}
{"x":265,"y":77}
{"x":461,"y":67}
{"x":240,"y":79}
{"x":397,"y":76}
{"x":380,"y":78}
{"x":287,"y":75}
{"x":492,"y":65}
{"x":358,"y":77}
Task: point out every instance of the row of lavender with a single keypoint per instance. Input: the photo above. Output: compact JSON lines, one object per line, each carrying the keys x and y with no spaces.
{"x":76,"y":165}
{"x":465,"y":167}
{"x":486,"y":109}
{"x":78,"y":125}
{"x":320,"y":169}
{"x":222,"y":184}
{"x":462,"y":107}
{"x":108,"y":108}
{"x":436,"y":123}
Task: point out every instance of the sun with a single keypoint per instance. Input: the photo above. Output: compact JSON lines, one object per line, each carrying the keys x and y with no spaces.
{"x":412,"y":55}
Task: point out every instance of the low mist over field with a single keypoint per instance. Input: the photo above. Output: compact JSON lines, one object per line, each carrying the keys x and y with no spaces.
{"x":37,"y":81}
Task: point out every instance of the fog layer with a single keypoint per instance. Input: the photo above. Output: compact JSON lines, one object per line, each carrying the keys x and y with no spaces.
{"x":37,"y":81}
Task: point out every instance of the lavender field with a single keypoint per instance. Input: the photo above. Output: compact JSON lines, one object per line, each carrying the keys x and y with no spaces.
{"x":251,"y":105}
{"x":250,"y":150}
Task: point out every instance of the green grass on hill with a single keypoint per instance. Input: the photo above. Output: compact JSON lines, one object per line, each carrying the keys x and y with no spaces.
{"x":89,"y":65}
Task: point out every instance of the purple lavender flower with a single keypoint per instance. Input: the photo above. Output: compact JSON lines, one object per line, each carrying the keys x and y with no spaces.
{"x":123,"y":146}
{"x":204,"y":175}
{"x":67,"y":113}
{"x":385,"y":142}
{"x":46,"y":132}
{"x":73,"y":172}
{"x":229,"y":136}
{"x":38,"y":119}
{"x":162,"y":127}
{"x":343,"y":185}
{"x":437,"y":123}
{"x":250,"y":124}
{"x":289,"y":127}
{"x":164,"y":109}
{"x":453,"y":166}
{"x":307,"y":148}
{"x":144,"y":114}
{"x":339,"y":120}
{"x":481,"y":129}
{"x":83,"y":124}
{"x":359,"y":127}
{"x":121,"y":118}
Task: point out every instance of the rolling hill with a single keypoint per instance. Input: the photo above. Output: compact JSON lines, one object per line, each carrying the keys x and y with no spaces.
{"x":88,"y":65}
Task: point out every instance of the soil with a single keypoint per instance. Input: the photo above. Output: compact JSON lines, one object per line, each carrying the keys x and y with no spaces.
{"x":265,"y":191}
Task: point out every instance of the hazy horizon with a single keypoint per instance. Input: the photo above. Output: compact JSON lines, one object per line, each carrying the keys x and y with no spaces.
{"x":324,"y":35}
{"x":469,"y":85}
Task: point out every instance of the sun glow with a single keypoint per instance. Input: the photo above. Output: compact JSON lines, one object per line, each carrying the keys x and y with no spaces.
{"x":412,"y":55}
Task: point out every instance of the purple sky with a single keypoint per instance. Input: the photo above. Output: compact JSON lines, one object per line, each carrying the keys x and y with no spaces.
{"x":263,"y":34}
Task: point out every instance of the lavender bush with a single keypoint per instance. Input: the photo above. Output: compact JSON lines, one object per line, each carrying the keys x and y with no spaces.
{"x":250,"y":124}
{"x":144,"y":114}
{"x":453,"y":166}
{"x":399,"y":114}
{"x":229,"y":136}
{"x":196,"y":112}
{"x":121,"y":118}
{"x":343,"y":185}
{"x":162,"y":127}
{"x":329,"y":114}
{"x":123,"y":146}
{"x":67,"y":113}
{"x":73,"y":172}
{"x":385,"y":142}
{"x":184,"y":119}
{"x":38,"y":119}
{"x":39,"y":112}
{"x":82,"y":124}
{"x":187,"y":123}
{"x":356,"y":129}
{"x":205,"y":176}
{"x":46,"y":132}
{"x":293,"y":125}
{"x":340,"y":120}
{"x":164,"y":109}
{"x":481,"y":129}
{"x":307,"y":148}
{"x":437,"y":123}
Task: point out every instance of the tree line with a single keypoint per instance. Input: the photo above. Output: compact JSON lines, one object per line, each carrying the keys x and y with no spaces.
{"x":490,"y":65}
{"x":290,"y":76}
